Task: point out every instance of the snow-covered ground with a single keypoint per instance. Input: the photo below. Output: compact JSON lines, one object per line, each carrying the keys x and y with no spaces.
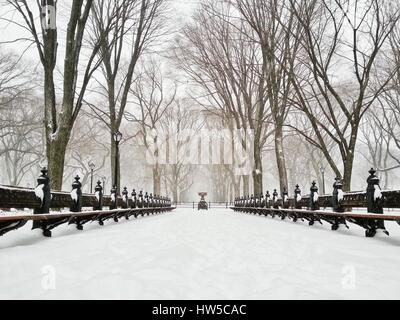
{"x":208,"y":255}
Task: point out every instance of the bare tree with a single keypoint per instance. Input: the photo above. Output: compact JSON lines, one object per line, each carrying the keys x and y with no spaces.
{"x":21,"y":137}
{"x":270,"y":20}
{"x":177,"y":173}
{"x":15,"y":78}
{"x":43,"y":35}
{"x":382,"y":125}
{"x":378,"y":142}
{"x":149,"y":95}
{"x":20,"y":122}
{"x":225,"y":179}
{"x":138,"y":24}
{"x":227,"y":68}
{"x":336,"y":106}
{"x":87,"y":146}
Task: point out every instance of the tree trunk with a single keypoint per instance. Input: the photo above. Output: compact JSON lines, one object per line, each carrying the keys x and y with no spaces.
{"x":156,"y":169}
{"x":257,"y":171}
{"x":236,"y":186}
{"x":348,"y":161}
{"x":225,"y":191}
{"x":280,"y":157}
{"x":348,"y":169}
{"x":175,"y":193}
{"x":55,"y":147}
{"x":156,"y":180}
{"x":316,"y":166}
{"x":246,"y":185}
{"x":56,"y":157}
{"x":115,"y":177}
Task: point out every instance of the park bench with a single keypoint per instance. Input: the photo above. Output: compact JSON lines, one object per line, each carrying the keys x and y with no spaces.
{"x":42,"y":199}
{"x":338,"y":208}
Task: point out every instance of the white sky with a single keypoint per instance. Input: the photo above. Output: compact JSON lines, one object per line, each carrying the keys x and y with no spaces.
{"x":180,"y":13}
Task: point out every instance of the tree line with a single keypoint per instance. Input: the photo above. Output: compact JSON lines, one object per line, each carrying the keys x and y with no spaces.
{"x":315,"y":69}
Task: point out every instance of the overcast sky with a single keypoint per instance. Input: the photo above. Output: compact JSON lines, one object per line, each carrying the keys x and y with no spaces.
{"x":181,"y":13}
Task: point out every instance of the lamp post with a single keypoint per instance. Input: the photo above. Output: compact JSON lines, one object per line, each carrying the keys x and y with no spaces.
{"x":103,"y":179}
{"x":91,"y":166}
{"x":323,"y":178}
{"x":117,"y":139}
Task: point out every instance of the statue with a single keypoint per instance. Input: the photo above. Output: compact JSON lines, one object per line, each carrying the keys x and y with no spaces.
{"x":202,"y":204}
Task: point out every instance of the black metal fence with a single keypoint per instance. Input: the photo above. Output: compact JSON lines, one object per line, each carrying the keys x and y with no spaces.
{"x":312,"y":207}
{"x":42,"y":199}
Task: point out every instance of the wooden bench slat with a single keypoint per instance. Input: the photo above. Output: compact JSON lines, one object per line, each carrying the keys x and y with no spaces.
{"x":391,"y":217}
{"x":53,"y":216}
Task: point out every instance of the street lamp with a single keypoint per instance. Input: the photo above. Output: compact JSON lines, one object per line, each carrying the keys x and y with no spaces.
{"x":91,"y":166}
{"x":323,"y":178}
{"x":103,"y":179}
{"x":117,"y":139}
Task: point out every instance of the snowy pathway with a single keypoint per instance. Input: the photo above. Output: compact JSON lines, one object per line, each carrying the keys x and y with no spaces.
{"x":208,"y":255}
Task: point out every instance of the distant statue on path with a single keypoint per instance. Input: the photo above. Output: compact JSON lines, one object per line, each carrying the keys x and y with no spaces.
{"x":202,"y":204}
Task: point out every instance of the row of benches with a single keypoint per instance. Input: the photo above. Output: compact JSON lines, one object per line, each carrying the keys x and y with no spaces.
{"x":42,"y":199}
{"x":341,"y":205}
